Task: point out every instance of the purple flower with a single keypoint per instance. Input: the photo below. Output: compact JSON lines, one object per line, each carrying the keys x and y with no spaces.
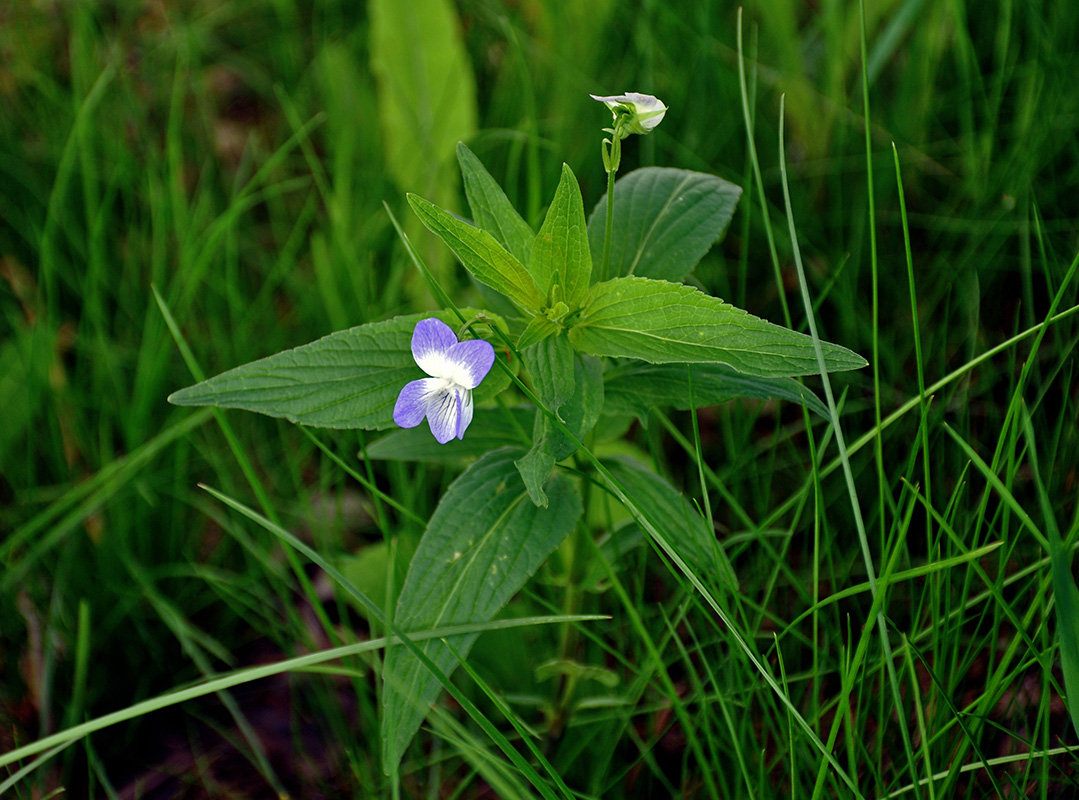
{"x":445,"y":398}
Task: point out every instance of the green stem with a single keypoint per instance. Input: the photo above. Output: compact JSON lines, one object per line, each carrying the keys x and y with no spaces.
{"x":616,"y":153}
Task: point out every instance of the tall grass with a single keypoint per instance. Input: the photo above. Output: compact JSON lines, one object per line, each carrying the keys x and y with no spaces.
{"x":232,"y":155}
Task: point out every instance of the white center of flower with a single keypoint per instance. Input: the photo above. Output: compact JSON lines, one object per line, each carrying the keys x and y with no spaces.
{"x":451,"y":374}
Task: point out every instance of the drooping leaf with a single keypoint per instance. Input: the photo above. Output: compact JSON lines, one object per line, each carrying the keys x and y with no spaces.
{"x":550,"y":367}
{"x":663,"y":323}
{"x":673,"y":515}
{"x":665,"y":220}
{"x":570,"y":385}
{"x":582,"y":410}
{"x":349,"y":379}
{"x":560,"y":250}
{"x":483,"y":542}
{"x":481,"y":254}
{"x":637,"y":388}
{"x":490,"y":429}
{"x":491,"y":209}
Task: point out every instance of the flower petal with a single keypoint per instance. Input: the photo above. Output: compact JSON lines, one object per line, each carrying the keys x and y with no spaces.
{"x":612,"y":100}
{"x":470,"y":361}
{"x":413,"y":401}
{"x":466,"y":413}
{"x":444,"y":414}
{"x":431,"y":339}
{"x":647,"y":110}
{"x":650,"y":110}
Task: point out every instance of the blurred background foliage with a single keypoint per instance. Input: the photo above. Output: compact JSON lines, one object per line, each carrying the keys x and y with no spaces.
{"x":236,"y":154}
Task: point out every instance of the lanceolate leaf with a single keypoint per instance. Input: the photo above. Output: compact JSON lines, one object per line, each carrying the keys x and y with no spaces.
{"x":483,"y":542}
{"x":485,"y":258}
{"x":560,"y":251}
{"x":663,"y":323}
{"x":349,"y":379}
{"x":637,"y":388}
{"x":665,"y":220}
{"x":491,"y":209}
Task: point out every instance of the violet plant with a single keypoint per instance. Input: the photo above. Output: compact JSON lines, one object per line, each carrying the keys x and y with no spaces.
{"x":525,"y":394}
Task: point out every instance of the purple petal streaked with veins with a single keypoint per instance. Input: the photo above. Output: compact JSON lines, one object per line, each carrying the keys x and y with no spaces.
{"x":431,"y":339}
{"x":471,"y":362}
{"x":466,"y":414}
{"x":444,"y":415}
{"x":413,"y":401}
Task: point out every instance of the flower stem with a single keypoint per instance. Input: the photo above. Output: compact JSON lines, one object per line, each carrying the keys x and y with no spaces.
{"x":616,"y":152}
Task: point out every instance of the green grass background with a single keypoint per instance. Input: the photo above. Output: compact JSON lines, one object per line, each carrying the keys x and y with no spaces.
{"x":237,"y":155}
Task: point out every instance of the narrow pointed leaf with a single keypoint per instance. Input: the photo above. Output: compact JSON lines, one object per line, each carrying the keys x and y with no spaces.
{"x":561,"y":246}
{"x":663,"y":323}
{"x":483,"y":542}
{"x":349,"y":379}
{"x":665,"y":220}
{"x":481,"y":254}
{"x":491,"y":209}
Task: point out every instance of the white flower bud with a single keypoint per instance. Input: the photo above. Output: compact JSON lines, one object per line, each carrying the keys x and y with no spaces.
{"x":642,"y":112}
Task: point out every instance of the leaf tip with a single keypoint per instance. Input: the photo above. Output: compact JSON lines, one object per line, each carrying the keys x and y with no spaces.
{"x":181,"y":397}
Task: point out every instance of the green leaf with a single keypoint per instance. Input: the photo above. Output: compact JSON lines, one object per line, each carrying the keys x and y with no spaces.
{"x":560,"y":252}
{"x":535,"y":468}
{"x":550,"y":367}
{"x":426,"y":91}
{"x":369,"y":569}
{"x":490,"y":429}
{"x":570,"y":385}
{"x":349,"y":379}
{"x":675,"y":517}
{"x":637,"y":388}
{"x":483,"y":542}
{"x":665,"y":220}
{"x":482,"y":256}
{"x":662,"y":322}
{"x":582,"y":410}
{"x":491,"y":209}
{"x":538,"y":329}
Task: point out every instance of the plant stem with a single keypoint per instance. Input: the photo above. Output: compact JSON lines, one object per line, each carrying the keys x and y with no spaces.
{"x":616,"y":152}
